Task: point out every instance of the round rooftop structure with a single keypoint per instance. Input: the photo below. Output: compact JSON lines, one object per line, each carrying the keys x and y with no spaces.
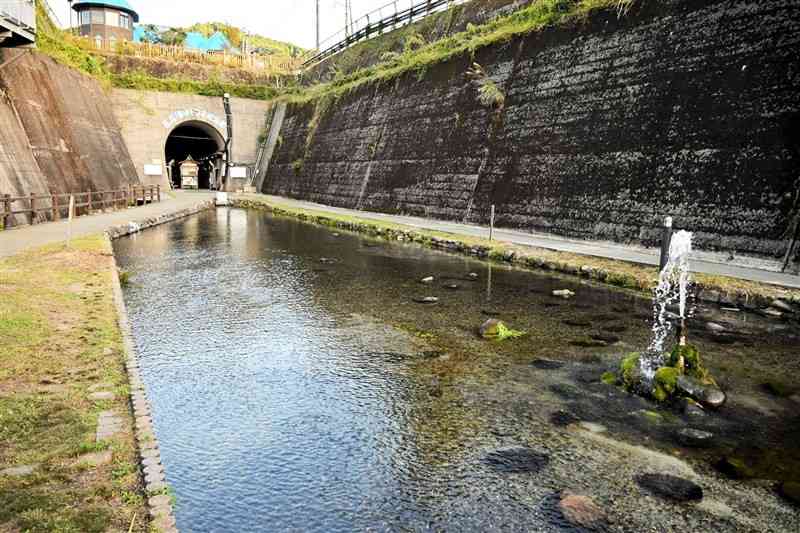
{"x":119,"y":5}
{"x":105,"y":21}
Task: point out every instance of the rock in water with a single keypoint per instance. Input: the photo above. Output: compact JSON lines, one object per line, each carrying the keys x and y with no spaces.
{"x":491,"y":328}
{"x":695,"y":438}
{"x":427,"y":300}
{"x":671,"y":487}
{"x":429,"y":279}
{"x":581,"y":511}
{"x":707,"y":395}
{"x":517,"y":460}
{"x":547,"y":364}
{"x":564,"y":293}
{"x":563,"y":418}
{"x":472,"y":275}
{"x":791,"y":491}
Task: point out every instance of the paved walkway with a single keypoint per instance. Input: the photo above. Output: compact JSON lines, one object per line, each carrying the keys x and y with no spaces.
{"x":702,"y":262}
{"x":16,"y":240}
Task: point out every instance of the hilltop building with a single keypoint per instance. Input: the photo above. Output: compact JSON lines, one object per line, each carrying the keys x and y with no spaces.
{"x":106,"y":20}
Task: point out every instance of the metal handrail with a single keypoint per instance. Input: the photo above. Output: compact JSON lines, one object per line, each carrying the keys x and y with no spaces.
{"x":22,"y":13}
{"x":375,"y":23}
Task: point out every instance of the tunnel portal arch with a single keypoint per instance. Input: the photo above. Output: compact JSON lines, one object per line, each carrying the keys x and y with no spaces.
{"x":201,"y":141}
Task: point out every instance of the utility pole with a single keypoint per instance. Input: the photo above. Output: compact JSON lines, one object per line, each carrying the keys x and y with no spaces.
{"x":317,"y":25}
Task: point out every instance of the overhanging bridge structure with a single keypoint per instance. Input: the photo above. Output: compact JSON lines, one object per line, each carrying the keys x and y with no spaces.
{"x":17,"y":23}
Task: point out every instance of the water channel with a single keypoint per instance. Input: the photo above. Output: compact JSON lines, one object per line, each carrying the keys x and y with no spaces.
{"x":297,"y":386}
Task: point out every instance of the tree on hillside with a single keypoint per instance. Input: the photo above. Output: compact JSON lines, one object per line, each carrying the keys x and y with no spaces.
{"x":173,"y":36}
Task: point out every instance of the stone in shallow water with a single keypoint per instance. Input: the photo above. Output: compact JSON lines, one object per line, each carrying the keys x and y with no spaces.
{"x":695,"y":438}
{"x":588,"y":343}
{"x":791,"y":491}
{"x":581,"y":511}
{"x":546,"y":364}
{"x":592,"y":427}
{"x":451,"y":286}
{"x":426,"y":300}
{"x":605,"y":337}
{"x":516,"y":460}
{"x":577,"y":322}
{"x":563,"y":293}
{"x":671,"y":487}
{"x":707,"y":395}
{"x":563,"y":418}
{"x":429,"y":279}
{"x":568,"y":392}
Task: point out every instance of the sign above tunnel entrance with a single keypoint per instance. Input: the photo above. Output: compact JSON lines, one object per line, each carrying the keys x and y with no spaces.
{"x":183,"y":115}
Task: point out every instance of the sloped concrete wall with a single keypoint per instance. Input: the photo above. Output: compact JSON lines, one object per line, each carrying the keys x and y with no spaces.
{"x":687,"y":108}
{"x":68,"y":125}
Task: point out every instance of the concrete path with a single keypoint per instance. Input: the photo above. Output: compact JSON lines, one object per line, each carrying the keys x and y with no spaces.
{"x":18,"y":239}
{"x":702,"y":262}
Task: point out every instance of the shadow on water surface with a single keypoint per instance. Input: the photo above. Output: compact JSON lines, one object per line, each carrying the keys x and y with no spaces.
{"x":296,"y":382}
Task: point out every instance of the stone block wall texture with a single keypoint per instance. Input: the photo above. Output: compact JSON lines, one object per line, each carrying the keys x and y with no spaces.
{"x":689,"y":108}
{"x":63,"y":121}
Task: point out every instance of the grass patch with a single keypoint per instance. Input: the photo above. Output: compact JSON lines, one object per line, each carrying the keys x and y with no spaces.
{"x":57,"y":321}
{"x":67,"y":50}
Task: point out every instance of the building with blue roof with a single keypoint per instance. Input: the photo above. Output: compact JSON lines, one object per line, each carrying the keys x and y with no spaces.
{"x":106,"y":20}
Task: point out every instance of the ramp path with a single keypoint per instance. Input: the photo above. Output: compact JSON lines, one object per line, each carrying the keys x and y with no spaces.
{"x":702,"y":262}
{"x":19,"y":239}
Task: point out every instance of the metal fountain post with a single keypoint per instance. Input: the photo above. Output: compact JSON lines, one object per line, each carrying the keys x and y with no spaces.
{"x":226,"y":102}
{"x":666,"y":240}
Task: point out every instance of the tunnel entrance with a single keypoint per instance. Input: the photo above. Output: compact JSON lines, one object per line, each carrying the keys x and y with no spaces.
{"x":204,"y":144}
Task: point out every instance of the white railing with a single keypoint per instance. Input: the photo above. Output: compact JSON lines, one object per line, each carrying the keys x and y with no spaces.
{"x":21,"y":13}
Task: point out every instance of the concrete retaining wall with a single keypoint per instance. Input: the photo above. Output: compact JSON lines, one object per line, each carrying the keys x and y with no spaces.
{"x":62,"y":120}
{"x":682,"y":107}
{"x":148,"y":117}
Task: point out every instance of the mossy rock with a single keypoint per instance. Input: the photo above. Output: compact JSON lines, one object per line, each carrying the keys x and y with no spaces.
{"x":665,"y":383}
{"x":630,"y":370}
{"x":609,"y":378}
{"x":692,"y":363}
{"x":736,"y":468}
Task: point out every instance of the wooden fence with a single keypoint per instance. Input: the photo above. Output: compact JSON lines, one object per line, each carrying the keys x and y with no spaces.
{"x":254,"y":62}
{"x":47,"y":207}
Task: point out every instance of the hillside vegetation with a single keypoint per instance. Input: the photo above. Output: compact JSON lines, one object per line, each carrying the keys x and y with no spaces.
{"x":66,"y":49}
{"x":419,"y":56}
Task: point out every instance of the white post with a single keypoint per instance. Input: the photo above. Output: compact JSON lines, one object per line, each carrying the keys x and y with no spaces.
{"x":71,"y":215}
{"x":491,"y":224}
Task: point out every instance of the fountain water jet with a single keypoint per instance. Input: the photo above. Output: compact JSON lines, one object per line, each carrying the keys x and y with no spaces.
{"x":673,"y":286}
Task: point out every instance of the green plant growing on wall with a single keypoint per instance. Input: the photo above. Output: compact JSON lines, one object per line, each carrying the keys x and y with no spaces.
{"x":413,"y":41}
{"x":297,"y":167}
{"x":489,"y":93}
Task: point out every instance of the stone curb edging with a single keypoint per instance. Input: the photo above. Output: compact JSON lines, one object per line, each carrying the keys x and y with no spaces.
{"x":750,"y":302}
{"x":115,"y":232}
{"x":159,"y":502}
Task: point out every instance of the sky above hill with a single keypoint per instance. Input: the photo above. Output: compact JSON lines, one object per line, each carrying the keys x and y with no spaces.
{"x":284,"y":20}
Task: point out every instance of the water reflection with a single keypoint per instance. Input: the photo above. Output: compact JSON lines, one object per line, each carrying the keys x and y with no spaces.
{"x":294,"y":394}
